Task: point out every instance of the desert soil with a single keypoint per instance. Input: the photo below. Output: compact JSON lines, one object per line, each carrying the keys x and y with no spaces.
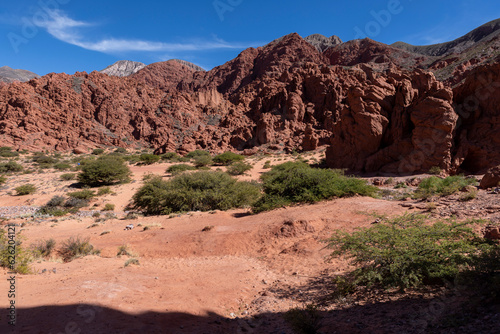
{"x":239,"y":276}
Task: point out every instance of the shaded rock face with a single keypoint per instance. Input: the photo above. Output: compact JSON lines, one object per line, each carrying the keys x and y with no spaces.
{"x":123,"y":68}
{"x":491,"y":178}
{"x":9,"y":75}
{"x":400,"y":123}
{"x":477,"y":102}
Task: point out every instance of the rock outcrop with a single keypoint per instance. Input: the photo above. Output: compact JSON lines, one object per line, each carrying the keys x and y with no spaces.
{"x":123,"y":68}
{"x":9,"y":75}
{"x":491,"y":178}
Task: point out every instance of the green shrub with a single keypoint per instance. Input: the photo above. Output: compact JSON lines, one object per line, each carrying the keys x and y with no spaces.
{"x":239,"y":168}
{"x":124,"y":250}
{"x":62,"y":166}
{"x":197,"y":153}
{"x":44,"y":247}
{"x":407,"y":252}
{"x":267,"y":164}
{"x":43,"y":160}
{"x":109,"y":207}
{"x":106,"y":170}
{"x":82,"y":194}
{"x":55,"y":201}
{"x":25,"y":189}
{"x":433,"y":186}
{"x":178,"y":169}
{"x":170,"y":156}
{"x":97,"y":151}
{"x":202,"y":161}
{"x":10,"y":167}
{"x":227,"y":158}
{"x":6,"y":152}
{"x":435,"y":170}
{"x":68,"y":176}
{"x":149,"y":159}
{"x":23,"y":257}
{"x":3,"y":179}
{"x":204,"y":191}
{"x":104,"y":191}
{"x":75,"y":247}
{"x":297,"y":182}
{"x":120,"y":150}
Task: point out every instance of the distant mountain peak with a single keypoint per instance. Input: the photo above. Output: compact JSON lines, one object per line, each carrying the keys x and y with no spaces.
{"x":322,"y":43}
{"x":8,"y":74}
{"x":190,"y":65}
{"x":123,"y":68}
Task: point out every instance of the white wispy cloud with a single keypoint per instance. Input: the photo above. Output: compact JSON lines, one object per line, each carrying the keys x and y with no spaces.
{"x":66,"y":29}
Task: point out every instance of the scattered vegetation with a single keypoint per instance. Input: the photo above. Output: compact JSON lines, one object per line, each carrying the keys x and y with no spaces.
{"x":3,"y":179}
{"x":131,"y":262}
{"x":297,"y":182}
{"x":435,"y":186}
{"x":202,"y":161}
{"x":204,"y":191}
{"x":124,"y":250}
{"x":267,"y":164}
{"x":109,"y":207}
{"x":197,"y":153}
{"x":149,"y":159}
{"x":104,"y":191}
{"x":25,"y":189}
{"x":178,"y":169}
{"x":239,"y":168}
{"x":97,"y":151}
{"x":44,"y":247}
{"x":82,"y":194}
{"x":75,"y":247}
{"x":6,"y":152}
{"x":106,"y":170}
{"x":105,"y":232}
{"x":435,"y":170}
{"x":23,"y":257}
{"x":10,"y":167}
{"x":227,"y":158}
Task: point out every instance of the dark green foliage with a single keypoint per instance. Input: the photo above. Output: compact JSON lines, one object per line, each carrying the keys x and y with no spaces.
{"x":82,"y":194}
{"x":54,"y":207}
{"x":3,"y":179}
{"x":104,"y":191}
{"x":435,"y":170}
{"x":267,"y":165}
{"x":109,"y":207}
{"x":227,"y":158}
{"x":44,"y":247}
{"x":434,"y":185}
{"x":10,"y":167}
{"x":297,"y":182}
{"x":55,"y":201}
{"x":178,"y":169}
{"x":202,"y":161}
{"x":97,"y":151}
{"x":197,"y":153}
{"x":68,"y":176}
{"x":407,"y":252}
{"x":239,"y":168}
{"x":203,"y":191}
{"x":149,"y":159}
{"x":25,"y":189}
{"x":106,"y":170}
{"x":76,"y":247}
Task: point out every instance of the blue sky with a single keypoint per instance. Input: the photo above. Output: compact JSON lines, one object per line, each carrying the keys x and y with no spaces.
{"x":46,"y":36}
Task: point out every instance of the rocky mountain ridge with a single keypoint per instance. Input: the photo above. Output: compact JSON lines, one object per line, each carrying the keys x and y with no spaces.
{"x":9,"y":75}
{"x":378,"y":108}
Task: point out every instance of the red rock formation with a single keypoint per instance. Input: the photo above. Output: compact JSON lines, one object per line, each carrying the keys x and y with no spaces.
{"x":477,"y":103}
{"x":491,"y":178}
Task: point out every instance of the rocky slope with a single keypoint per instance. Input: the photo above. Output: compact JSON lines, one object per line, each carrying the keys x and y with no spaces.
{"x":123,"y":68}
{"x":378,"y":107}
{"x":8,"y":75}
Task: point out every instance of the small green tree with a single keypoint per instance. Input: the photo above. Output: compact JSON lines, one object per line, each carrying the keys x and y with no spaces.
{"x":106,"y":170}
{"x":149,"y":159}
{"x":227,"y":158}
